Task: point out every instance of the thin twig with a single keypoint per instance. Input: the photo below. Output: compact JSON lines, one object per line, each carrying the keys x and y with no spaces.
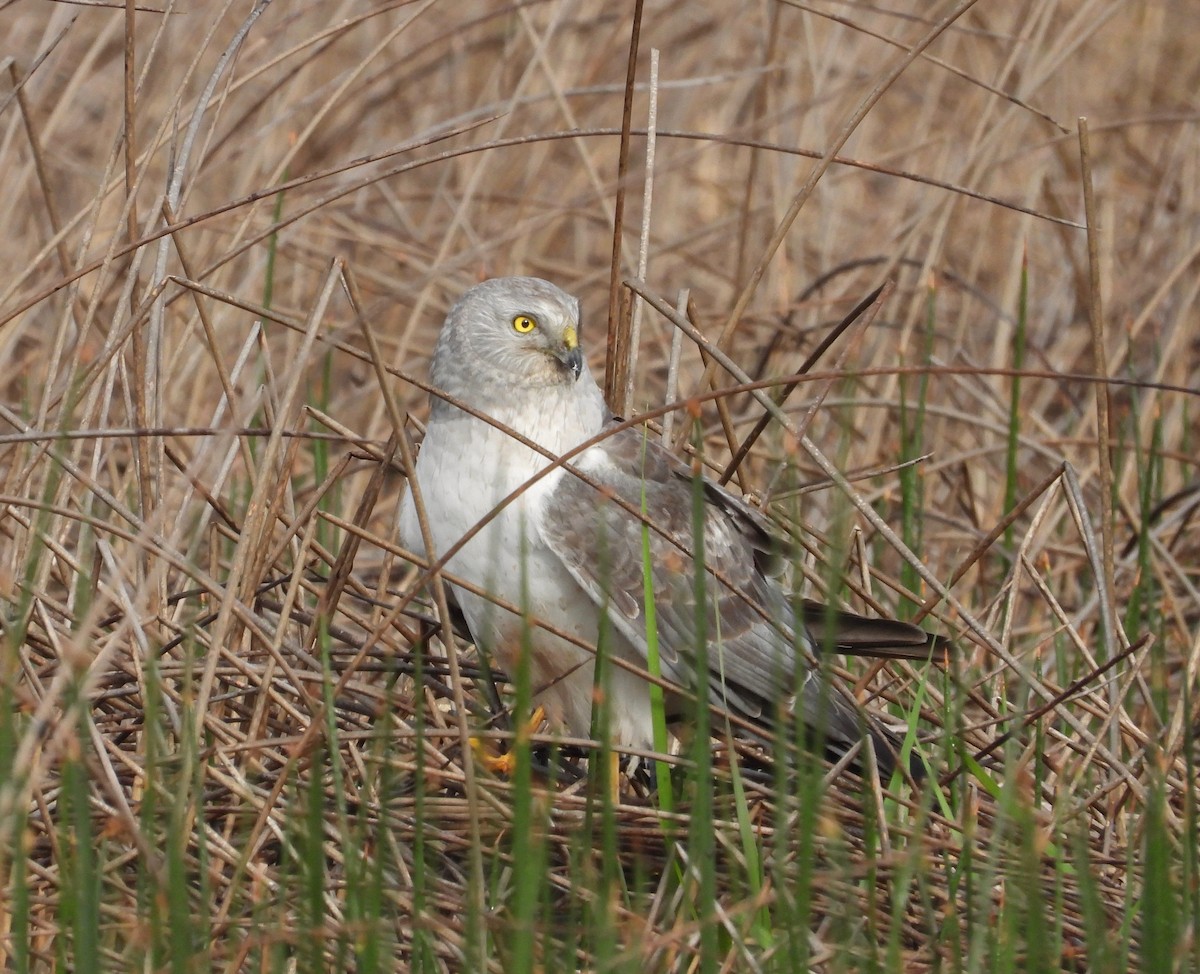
{"x":400,"y":435}
{"x":672,"y":393}
{"x":617,"y":362}
{"x":1110,"y":623}
{"x":874,"y":300}
{"x":635,"y":321}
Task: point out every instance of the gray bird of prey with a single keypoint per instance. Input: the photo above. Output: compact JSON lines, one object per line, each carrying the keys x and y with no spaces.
{"x":567,"y":552}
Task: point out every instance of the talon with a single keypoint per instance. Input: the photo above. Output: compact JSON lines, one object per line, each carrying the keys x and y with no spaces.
{"x":501,"y":764}
{"x":526,"y":730}
{"x":506,"y":763}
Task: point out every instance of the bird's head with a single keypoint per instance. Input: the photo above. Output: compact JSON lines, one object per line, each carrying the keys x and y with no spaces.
{"x":506,"y":331}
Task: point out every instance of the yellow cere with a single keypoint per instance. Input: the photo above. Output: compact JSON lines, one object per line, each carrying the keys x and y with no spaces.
{"x":524,"y":324}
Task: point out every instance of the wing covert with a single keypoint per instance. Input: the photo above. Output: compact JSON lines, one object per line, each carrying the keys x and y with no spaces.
{"x":600,"y":543}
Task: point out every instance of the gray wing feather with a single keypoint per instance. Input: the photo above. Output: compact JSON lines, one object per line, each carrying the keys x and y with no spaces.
{"x":747,"y":618}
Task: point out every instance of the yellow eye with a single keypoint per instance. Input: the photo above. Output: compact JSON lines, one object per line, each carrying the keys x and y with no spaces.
{"x":524,"y":324}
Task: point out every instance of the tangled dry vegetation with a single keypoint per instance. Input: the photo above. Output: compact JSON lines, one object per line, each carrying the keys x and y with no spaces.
{"x":228,"y":731}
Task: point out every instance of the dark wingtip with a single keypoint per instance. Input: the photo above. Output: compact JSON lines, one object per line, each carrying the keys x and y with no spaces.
{"x":888,"y":748}
{"x":841,"y":724}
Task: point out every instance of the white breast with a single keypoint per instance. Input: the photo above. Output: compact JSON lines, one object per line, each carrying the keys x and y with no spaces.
{"x":465,"y":468}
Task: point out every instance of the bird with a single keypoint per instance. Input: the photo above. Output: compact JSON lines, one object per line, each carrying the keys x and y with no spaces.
{"x":568,"y":551}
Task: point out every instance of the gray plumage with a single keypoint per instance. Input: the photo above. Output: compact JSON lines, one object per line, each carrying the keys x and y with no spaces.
{"x":568,"y":548}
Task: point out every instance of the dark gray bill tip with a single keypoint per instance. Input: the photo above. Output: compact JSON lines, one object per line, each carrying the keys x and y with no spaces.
{"x":573,"y":360}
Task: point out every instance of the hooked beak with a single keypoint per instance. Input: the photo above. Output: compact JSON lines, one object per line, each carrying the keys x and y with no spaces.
{"x":570,"y":354}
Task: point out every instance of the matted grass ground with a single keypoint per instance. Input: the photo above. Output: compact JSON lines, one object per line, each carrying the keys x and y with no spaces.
{"x":229,"y":734}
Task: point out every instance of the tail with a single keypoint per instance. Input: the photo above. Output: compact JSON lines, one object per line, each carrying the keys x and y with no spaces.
{"x":846,"y":632}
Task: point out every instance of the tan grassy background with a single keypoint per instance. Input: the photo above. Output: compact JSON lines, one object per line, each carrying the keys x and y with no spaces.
{"x":378,"y":117}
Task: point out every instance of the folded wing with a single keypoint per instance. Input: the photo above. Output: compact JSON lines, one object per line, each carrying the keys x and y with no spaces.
{"x":637,"y":493}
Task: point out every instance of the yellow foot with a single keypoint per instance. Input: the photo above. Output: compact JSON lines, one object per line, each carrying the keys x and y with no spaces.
{"x":506,"y":763}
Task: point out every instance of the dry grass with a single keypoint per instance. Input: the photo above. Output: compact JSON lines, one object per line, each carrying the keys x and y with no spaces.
{"x":203,"y":666}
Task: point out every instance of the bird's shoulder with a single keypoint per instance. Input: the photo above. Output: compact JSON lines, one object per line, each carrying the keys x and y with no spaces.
{"x":632,"y":465}
{"x":629,"y":479}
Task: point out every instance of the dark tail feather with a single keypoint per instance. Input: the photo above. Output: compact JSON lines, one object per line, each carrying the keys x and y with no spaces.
{"x":855,"y":635}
